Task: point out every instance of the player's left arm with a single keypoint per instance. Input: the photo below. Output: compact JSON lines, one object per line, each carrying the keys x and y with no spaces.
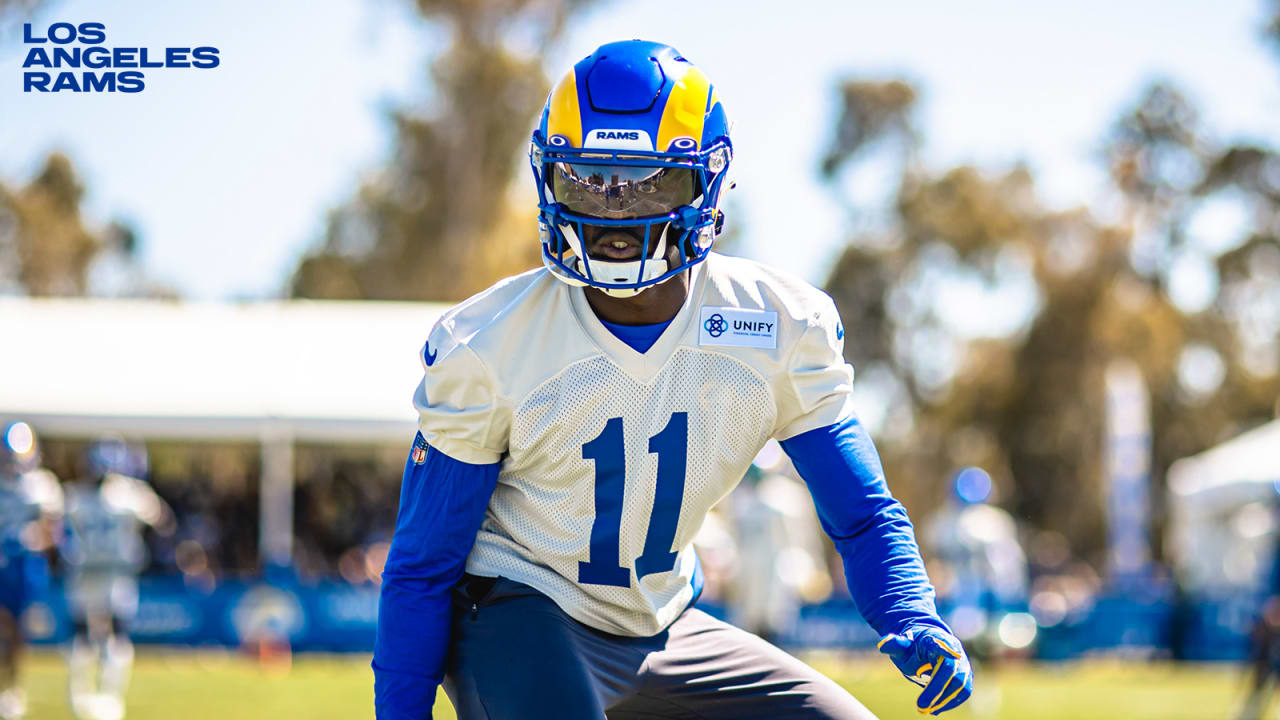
{"x":143,"y":500}
{"x":837,"y":460}
{"x":45,"y":491}
{"x":882,"y":563}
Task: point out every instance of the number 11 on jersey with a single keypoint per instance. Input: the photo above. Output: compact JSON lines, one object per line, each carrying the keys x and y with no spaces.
{"x":607,"y":450}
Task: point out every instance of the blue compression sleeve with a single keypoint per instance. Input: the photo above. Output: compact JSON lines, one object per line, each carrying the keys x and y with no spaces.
{"x":442,"y":503}
{"x":870,"y":528}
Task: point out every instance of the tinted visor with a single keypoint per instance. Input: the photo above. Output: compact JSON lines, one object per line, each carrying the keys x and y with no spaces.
{"x":620,"y":192}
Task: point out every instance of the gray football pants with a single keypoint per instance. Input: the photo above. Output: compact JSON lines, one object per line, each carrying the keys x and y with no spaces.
{"x":515,"y":655}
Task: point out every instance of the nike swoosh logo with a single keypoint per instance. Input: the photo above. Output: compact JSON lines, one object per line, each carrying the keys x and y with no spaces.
{"x":428,"y":355}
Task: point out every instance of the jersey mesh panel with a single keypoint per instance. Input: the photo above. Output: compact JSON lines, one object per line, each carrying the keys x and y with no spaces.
{"x":540,"y":518}
{"x":102,"y":535}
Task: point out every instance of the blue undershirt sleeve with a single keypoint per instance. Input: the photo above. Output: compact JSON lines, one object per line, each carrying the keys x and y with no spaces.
{"x":442,"y":503}
{"x":870,"y":528}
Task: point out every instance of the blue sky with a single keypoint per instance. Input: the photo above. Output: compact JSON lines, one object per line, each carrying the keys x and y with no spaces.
{"x":228,"y":172}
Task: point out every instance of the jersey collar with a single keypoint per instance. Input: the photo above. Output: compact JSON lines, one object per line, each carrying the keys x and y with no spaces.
{"x":642,"y":366}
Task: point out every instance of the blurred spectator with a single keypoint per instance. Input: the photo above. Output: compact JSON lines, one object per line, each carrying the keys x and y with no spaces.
{"x":763,"y":549}
{"x":30,"y":500}
{"x":345,"y":504}
{"x":1065,"y":589}
{"x":345,"y":507}
{"x":213,"y":490}
{"x":979,"y":567}
{"x":1265,"y":643}
{"x":103,"y":552}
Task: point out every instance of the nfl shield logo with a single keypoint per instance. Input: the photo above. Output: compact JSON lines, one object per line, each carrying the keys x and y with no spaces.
{"x":419,"y":453}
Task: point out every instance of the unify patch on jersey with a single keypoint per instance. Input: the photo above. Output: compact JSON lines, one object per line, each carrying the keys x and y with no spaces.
{"x":735,"y":327}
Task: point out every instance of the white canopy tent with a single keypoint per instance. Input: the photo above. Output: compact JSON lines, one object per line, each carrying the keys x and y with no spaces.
{"x":1222,"y":505}
{"x":271,"y":372}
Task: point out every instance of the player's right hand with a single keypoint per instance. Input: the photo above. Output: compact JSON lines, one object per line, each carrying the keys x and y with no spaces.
{"x":935,"y":660}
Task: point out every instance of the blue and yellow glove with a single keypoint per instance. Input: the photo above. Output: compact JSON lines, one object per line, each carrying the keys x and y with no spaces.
{"x":933,"y":659}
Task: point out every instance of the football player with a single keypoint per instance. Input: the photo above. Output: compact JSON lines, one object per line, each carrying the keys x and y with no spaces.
{"x":577,"y":422}
{"x":30,"y":498}
{"x":103,"y":552}
{"x":977,"y":544}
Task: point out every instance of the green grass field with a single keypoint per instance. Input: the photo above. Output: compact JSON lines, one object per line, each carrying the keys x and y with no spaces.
{"x":218,"y":686}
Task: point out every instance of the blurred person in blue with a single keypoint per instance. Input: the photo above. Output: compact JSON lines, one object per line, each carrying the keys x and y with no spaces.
{"x":30,"y":501}
{"x":780,"y":558}
{"x":976,"y":550}
{"x":1264,"y":639}
{"x":103,"y":552}
{"x":577,"y":423}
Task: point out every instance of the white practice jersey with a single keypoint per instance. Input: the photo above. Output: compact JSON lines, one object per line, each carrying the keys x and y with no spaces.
{"x":103,"y":524}
{"x":612,"y":458}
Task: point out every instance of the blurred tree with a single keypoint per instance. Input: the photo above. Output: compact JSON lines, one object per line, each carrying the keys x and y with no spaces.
{"x":13,"y":13}
{"x":443,"y":220}
{"x":1203,"y":223}
{"x":985,"y":322}
{"x":44,"y":247}
{"x":11,"y":10}
{"x":47,"y":250}
{"x":871,"y":112}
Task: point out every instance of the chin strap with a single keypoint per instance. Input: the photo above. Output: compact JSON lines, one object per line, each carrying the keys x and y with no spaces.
{"x":627,"y":271}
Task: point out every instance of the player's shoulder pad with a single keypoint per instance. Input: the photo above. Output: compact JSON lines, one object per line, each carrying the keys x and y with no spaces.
{"x":461,"y":333}
{"x":40,"y":478}
{"x":465,"y":395}
{"x":42,"y":486}
{"x":115,"y":485}
{"x":747,"y":284}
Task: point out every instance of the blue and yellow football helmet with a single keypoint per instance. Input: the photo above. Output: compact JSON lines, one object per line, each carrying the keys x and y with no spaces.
{"x":633,"y":136}
{"x":112,"y":454}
